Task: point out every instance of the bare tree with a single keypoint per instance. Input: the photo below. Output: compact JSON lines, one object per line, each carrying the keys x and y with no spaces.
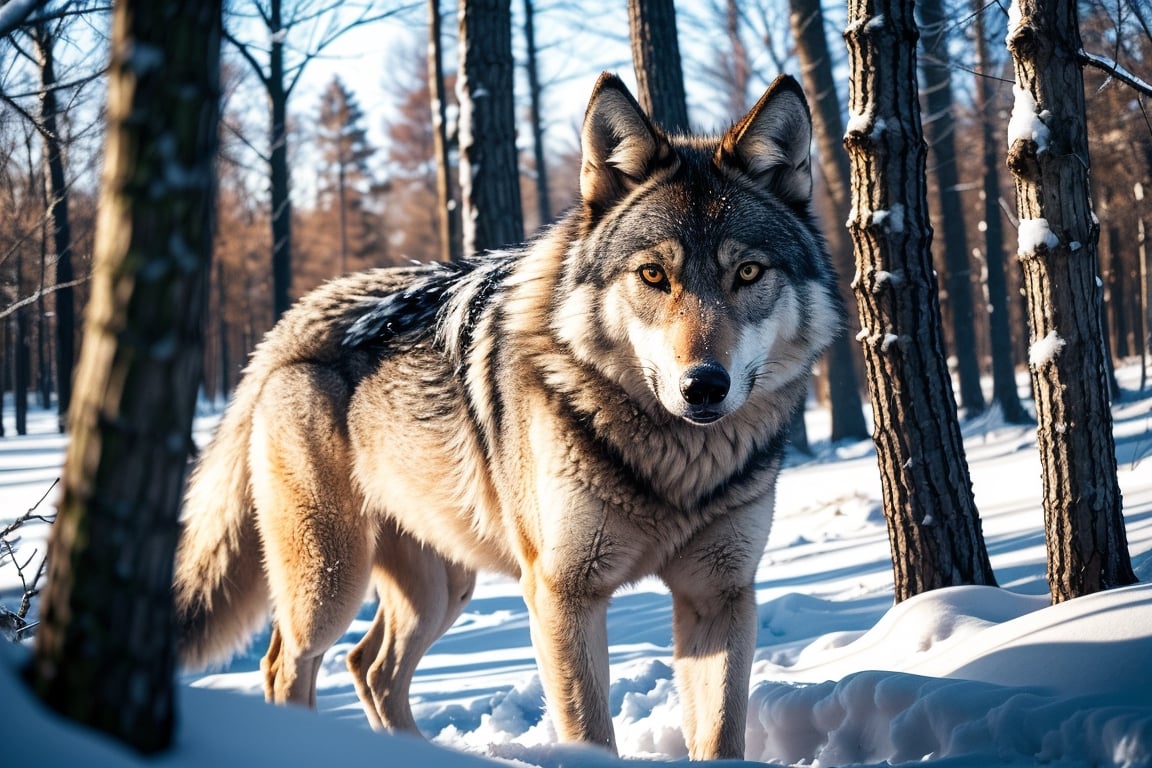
{"x":807,"y":23}
{"x":449,"y":214}
{"x":935,"y":67}
{"x":539,"y":154}
{"x":295,"y":32}
{"x":1048,"y":156}
{"x":933,"y":524}
{"x":1004,"y":391}
{"x":656,"y":59}
{"x":105,"y":651}
{"x":489,"y":167}
{"x":57,"y":192}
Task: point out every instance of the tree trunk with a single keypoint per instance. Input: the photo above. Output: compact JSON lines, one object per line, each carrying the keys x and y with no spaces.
{"x":807,"y":20}
{"x":936,"y":69}
{"x":222,"y":324}
{"x":449,"y":217}
{"x":23,"y":355}
{"x":278,"y":169}
{"x":656,"y":59}
{"x":105,"y":651}
{"x":1000,"y":329}
{"x":933,"y":524}
{"x":1048,"y":156}
{"x":543,"y":206}
{"x":1145,"y":290}
{"x":489,"y":167}
{"x":61,"y":228}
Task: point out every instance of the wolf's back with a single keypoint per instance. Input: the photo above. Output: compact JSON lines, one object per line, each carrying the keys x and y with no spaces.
{"x":219,"y":587}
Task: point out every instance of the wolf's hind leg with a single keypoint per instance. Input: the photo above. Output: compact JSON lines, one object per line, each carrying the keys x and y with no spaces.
{"x":317,"y":543}
{"x":421,"y":595}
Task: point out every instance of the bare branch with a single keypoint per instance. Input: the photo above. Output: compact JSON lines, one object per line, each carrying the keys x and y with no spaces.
{"x":32,"y":514}
{"x":14,"y":13}
{"x":1113,"y":69}
{"x":246,"y":54}
{"x":70,"y":85}
{"x":35,"y":296}
{"x":335,"y":33}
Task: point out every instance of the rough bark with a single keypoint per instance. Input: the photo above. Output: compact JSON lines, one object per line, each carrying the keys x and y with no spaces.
{"x":933,"y":524}
{"x":807,"y":21}
{"x":935,"y":66}
{"x":656,"y":59}
{"x":489,"y":168}
{"x":1083,"y":512}
{"x":105,"y":649}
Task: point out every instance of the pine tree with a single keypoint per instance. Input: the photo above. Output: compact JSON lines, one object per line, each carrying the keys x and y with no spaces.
{"x":345,"y":150}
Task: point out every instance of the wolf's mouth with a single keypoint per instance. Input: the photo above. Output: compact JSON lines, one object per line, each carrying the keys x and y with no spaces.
{"x":703,"y":416}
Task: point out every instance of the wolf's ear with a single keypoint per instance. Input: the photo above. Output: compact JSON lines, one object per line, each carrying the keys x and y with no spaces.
{"x":772,"y":144}
{"x":619,"y":144}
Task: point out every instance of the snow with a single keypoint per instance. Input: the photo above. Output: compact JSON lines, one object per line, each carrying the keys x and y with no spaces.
{"x":1045,"y":350}
{"x":1033,"y":235}
{"x":960,"y":677}
{"x":1026,"y":124}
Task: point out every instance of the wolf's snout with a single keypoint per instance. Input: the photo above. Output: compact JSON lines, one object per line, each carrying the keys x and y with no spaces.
{"x":705,"y":384}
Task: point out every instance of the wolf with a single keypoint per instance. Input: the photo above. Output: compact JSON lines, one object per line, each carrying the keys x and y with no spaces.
{"x":605,"y":403}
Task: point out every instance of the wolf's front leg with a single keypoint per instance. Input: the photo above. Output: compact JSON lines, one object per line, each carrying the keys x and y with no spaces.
{"x":714,"y":633}
{"x":714,"y":639}
{"x":570,"y":636}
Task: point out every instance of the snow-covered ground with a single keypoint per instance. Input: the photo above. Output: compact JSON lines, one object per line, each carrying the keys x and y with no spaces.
{"x":971,"y":676}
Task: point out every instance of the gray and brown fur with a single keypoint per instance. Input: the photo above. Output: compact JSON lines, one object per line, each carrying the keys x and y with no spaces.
{"x":606,"y":403}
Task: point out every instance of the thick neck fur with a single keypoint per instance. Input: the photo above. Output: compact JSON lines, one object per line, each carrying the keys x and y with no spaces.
{"x":683,"y":464}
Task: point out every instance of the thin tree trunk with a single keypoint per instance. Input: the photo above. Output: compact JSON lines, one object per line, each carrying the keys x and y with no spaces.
{"x":933,"y":524}
{"x":448,"y":216}
{"x":656,"y":59}
{"x":61,"y":228}
{"x":23,"y":356}
{"x":807,"y":21}
{"x":935,"y":67}
{"x":489,"y":168}
{"x":222,"y":320}
{"x":105,"y":652}
{"x":278,"y":168}
{"x":1048,"y":156}
{"x":1145,"y":291}
{"x":1000,"y":329}
{"x":543,"y":206}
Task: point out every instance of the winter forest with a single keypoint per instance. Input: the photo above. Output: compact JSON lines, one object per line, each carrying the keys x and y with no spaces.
{"x":981,"y":172}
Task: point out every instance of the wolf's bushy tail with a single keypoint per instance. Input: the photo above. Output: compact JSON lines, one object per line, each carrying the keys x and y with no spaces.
{"x":219,"y":587}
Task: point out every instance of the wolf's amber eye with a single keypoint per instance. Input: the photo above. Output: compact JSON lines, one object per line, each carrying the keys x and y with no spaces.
{"x":653,"y":275}
{"x":749,"y":272}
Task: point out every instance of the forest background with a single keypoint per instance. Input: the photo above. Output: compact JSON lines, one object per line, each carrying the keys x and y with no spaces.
{"x":361,"y":152}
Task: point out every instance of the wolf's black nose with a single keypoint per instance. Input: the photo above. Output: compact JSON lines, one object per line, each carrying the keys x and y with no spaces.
{"x":705,"y":384}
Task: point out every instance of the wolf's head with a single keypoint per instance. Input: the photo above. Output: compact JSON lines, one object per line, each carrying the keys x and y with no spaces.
{"x":699,"y":278}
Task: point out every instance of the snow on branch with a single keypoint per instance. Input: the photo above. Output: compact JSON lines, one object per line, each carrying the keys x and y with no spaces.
{"x":1114,"y":69}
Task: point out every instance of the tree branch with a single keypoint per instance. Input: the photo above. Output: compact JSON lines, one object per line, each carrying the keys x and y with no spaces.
{"x":12,"y":308}
{"x":1113,"y":69}
{"x":247,"y":56}
{"x":14,"y":13}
